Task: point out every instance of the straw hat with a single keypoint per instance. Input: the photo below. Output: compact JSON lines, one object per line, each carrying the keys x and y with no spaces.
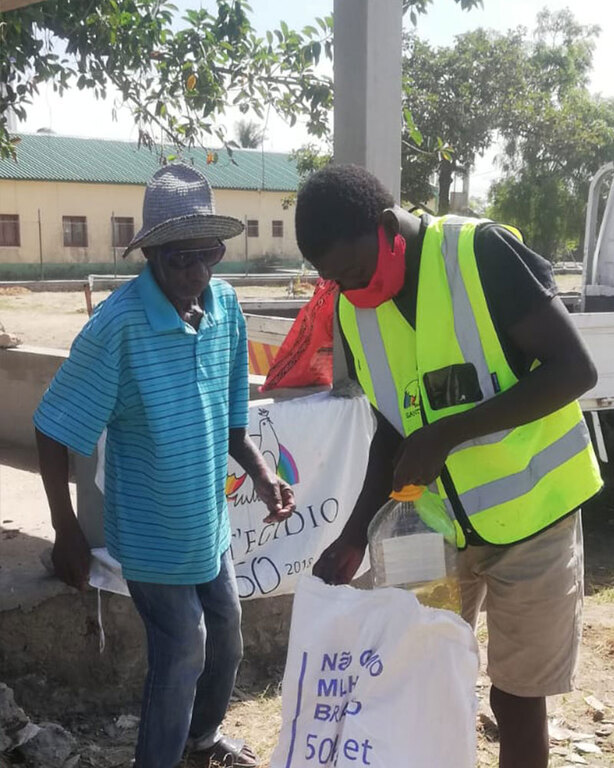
{"x":178,"y":205}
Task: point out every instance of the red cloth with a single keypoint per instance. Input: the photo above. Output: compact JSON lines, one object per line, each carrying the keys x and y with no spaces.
{"x":387,"y":280}
{"x":305,"y":357}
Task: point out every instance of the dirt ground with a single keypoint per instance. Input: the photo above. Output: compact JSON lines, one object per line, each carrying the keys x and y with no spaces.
{"x":54,"y":319}
{"x":582,"y":723}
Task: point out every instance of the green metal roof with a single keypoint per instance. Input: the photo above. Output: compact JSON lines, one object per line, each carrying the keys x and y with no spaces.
{"x":47,"y":157}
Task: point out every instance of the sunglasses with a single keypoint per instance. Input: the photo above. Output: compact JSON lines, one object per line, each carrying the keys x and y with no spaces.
{"x":184,"y":258}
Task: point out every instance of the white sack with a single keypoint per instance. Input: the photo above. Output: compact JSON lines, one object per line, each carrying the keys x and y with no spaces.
{"x":375,"y":679}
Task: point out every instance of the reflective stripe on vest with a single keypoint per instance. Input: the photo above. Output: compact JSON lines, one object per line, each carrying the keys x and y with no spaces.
{"x":386,"y":395}
{"x":513,"y":486}
{"x":464,"y":320}
{"x":510,"y":484}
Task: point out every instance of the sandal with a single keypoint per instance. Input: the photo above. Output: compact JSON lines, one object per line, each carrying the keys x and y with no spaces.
{"x":225,"y":753}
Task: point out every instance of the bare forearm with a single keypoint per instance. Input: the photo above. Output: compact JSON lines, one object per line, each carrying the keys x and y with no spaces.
{"x":53,"y":460}
{"x":244,"y":451}
{"x":543,"y":391}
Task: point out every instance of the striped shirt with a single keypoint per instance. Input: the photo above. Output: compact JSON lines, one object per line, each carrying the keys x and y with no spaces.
{"x":168,"y":395}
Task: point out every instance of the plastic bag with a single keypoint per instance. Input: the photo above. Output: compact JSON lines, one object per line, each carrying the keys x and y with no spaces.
{"x":305,"y":357}
{"x":375,"y":679}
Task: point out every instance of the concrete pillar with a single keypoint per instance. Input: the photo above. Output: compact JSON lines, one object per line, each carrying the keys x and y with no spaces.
{"x":368,"y":49}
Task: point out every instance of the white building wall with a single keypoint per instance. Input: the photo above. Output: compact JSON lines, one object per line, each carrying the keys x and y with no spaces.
{"x":98,"y":202}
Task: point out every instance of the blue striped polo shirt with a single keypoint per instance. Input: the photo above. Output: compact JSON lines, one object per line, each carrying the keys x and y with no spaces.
{"x":168,"y":395}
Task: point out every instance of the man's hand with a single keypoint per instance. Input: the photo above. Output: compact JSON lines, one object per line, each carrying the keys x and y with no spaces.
{"x":276,"y":494}
{"x":71,"y":557}
{"x":339,"y":562}
{"x":421,"y":456}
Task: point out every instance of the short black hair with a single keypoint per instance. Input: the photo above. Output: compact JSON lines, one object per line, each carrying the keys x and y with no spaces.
{"x":339,"y":202}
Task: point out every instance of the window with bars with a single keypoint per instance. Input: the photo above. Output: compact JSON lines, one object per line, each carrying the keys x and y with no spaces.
{"x":123,"y":231}
{"x":278,"y":228}
{"x":9,"y":230}
{"x":75,"y":231}
{"x":253,"y":229}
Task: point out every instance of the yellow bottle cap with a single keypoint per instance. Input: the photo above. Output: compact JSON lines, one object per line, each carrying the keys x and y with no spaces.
{"x":408,"y":493}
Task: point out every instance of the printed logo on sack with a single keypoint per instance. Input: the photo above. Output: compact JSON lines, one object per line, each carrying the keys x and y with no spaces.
{"x":240,"y":489}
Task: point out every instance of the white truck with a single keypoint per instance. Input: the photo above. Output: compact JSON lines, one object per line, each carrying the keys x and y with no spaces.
{"x":595,"y":318}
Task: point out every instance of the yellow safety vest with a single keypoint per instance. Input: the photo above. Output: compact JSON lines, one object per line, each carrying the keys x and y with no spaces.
{"x":504,"y":487}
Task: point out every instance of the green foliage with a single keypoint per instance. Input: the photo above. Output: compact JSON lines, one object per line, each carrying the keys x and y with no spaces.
{"x":556,"y":136}
{"x":543,"y":208}
{"x":308,"y":158}
{"x":415,"y":7}
{"x":177,"y":81}
{"x":177,"y":78}
{"x":453,"y":95}
{"x":532,"y":92}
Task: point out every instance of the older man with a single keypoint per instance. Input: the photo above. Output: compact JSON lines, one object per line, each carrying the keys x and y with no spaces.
{"x":162,"y":364}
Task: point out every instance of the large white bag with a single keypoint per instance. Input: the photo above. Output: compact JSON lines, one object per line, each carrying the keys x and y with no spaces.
{"x":373,"y":678}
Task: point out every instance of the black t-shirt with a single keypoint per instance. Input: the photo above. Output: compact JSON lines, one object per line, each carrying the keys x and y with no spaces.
{"x":515,"y":280}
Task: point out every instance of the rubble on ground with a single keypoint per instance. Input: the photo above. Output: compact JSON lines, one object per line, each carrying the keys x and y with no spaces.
{"x":46,"y":745}
{"x":49,"y":745}
{"x":8,"y":340}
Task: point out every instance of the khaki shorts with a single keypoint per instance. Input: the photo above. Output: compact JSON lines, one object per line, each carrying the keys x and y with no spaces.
{"x":532,"y":593}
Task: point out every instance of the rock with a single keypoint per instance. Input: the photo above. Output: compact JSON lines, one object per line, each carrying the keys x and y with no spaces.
{"x":110,"y":757}
{"x":561,"y":751}
{"x":12,"y":718}
{"x":127,"y":722}
{"x":577,"y":760}
{"x":558,"y":733}
{"x":594,"y":703}
{"x":49,"y":748}
{"x":26,"y":733}
{"x":8,"y":341}
{"x":10,"y":712}
{"x":118,"y":757}
{"x":596,"y":707}
{"x":578,"y":736}
{"x":587,"y":748}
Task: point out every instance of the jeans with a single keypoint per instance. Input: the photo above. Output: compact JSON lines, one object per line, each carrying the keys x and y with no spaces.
{"x":194,"y":649}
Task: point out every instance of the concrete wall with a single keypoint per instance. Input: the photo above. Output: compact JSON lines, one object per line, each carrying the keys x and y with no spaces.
{"x":25,"y":374}
{"x":52,"y":652}
{"x":98,"y":202}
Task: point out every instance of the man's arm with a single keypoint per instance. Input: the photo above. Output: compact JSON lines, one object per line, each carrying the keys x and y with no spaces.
{"x":274,"y":492}
{"x":340,"y":561}
{"x":71,"y":552}
{"x":567,"y":371}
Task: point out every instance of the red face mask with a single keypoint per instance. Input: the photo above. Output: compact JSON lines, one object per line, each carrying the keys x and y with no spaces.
{"x":388,"y":277}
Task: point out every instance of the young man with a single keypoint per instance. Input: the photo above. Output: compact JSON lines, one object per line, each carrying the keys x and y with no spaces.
{"x":453,"y":329}
{"x":162,"y":364}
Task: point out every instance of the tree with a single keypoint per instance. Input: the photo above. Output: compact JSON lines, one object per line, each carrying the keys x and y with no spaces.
{"x":556,"y":135}
{"x":453,"y":97}
{"x":176,"y":81}
{"x":249,"y":135}
{"x":415,"y":7}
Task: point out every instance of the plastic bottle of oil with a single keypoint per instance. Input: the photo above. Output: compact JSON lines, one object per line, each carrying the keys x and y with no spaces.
{"x":412,"y":545}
